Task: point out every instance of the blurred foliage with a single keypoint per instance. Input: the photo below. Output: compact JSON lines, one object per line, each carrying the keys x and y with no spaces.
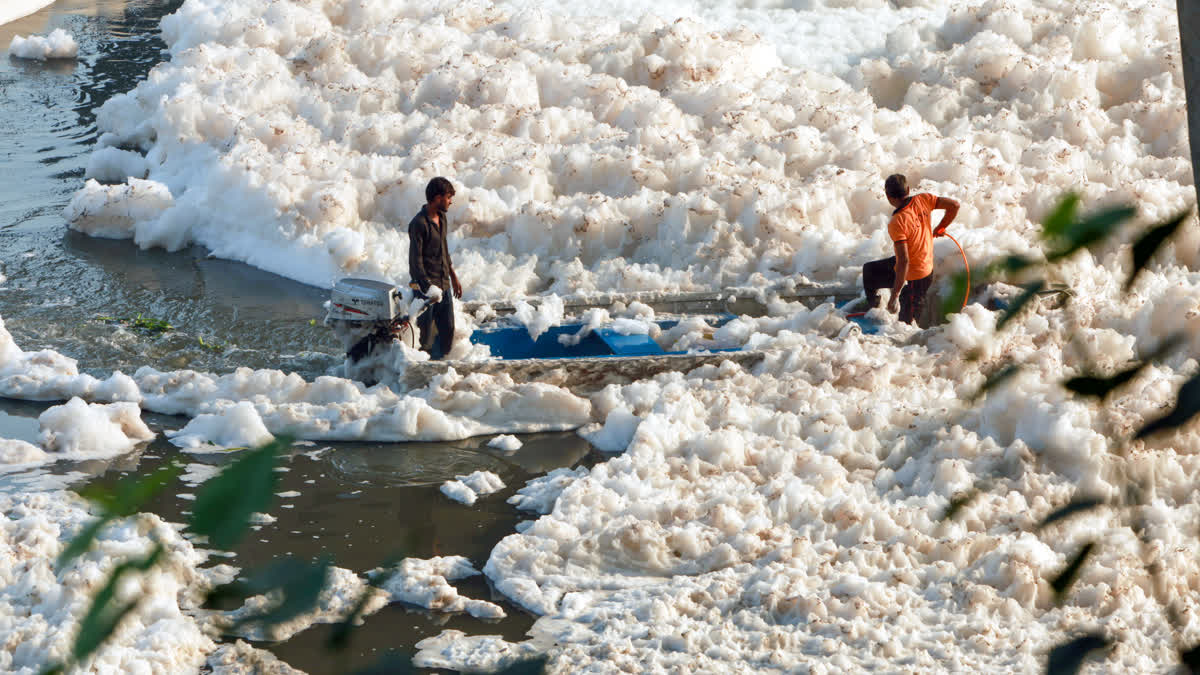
{"x":1065,"y":232}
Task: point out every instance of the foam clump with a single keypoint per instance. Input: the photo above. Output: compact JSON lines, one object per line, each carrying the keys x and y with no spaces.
{"x":539,"y":494}
{"x":797,"y":493}
{"x":120,"y":211}
{"x":49,"y":376}
{"x":425,"y":582}
{"x":114,"y":165}
{"x":466,"y":489}
{"x":615,"y":434}
{"x":455,"y":650}
{"x":537,"y":320}
{"x":79,"y":430}
{"x":17,"y":453}
{"x":42,"y":606}
{"x":59,"y":44}
{"x":338,"y":598}
{"x":506,"y":442}
{"x":238,"y":426}
{"x":241,"y":658}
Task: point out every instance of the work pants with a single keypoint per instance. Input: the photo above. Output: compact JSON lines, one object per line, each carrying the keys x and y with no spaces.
{"x":880,"y":274}
{"x":439,"y":315}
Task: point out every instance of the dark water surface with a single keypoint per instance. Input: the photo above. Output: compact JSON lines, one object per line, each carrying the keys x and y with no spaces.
{"x":360,"y":503}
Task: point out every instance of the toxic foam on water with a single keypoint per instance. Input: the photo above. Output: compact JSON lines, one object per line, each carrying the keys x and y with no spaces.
{"x":59,"y":44}
{"x":15,"y":9}
{"x":773,"y":519}
{"x":41,"y":607}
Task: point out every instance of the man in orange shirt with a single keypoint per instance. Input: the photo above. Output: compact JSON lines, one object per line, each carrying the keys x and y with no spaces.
{"x":910,"y":272}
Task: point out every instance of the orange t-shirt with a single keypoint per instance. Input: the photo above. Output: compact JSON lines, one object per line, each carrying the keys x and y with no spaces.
{"x":911,"y":224}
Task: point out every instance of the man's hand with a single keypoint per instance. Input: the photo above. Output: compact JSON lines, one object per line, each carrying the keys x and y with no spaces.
{"x":457,"y":287}
{"x":893,"y":305}
{"x":951,"y":208}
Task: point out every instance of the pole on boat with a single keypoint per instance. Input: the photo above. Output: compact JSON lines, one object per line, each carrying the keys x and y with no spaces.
{"x":1189,"y":29}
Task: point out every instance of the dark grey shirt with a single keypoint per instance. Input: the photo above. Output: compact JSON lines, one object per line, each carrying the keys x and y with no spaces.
{"x":428,"y":256}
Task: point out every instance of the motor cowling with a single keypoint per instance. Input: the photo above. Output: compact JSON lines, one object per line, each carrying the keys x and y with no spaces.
{"x":365,"y":313}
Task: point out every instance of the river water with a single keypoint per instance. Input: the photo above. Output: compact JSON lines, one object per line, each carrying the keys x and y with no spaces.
{"x":360,"y":503}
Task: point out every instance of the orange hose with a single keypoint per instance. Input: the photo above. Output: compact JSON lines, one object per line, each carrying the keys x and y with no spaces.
{"x":967,"y":265}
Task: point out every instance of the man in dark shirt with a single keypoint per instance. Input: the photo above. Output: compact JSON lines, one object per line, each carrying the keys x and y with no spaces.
{"x":429,"y":265}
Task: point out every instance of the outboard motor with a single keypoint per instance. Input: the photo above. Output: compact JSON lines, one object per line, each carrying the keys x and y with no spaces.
{"x":365,"y":313}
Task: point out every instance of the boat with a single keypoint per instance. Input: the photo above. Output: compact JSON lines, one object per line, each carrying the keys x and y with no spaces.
{"x":601,"y":357}
{"x":368,"y":313}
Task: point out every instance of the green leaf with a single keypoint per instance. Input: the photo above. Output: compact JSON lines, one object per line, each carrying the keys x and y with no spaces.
{"x":995,"y":380}
{"x":105,"y":614}
{"x":1015,"y":263}
{"x":952,"y":302}
{"x":1062,"y":583}
{"x":1060,"y":219}
{"x":1149,"y":243}
{"x":126,"y":498}
{"x":1076,"y":506}
{"x":1089,"y":231}
{"x":300,"y":583}
{"x":1031,"y":290}
{"x":1101,"y":387}
{"x":958,"y":502}
{"x":81,"y":542}
{"x":1186,"y":407}
{"x":1068,"y":657}
{"x":225,"y":502}
{"x":1190,"y":658}
{"x":339,"y":637}
{"x":134,"y":493}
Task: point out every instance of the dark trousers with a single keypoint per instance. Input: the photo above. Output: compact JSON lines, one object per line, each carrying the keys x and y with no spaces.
{"x":879,"y":274}
{"x":440,"y":314}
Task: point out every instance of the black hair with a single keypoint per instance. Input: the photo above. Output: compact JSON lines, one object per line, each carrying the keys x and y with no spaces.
{"x":437,"y":187}
{"x":896,"y":186}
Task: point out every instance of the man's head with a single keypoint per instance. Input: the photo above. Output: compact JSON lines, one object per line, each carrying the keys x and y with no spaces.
{"x":896,"y":189}
{"x":439,"y":193}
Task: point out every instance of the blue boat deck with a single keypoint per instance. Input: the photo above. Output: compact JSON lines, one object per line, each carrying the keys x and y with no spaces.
{"x":510,"y":342}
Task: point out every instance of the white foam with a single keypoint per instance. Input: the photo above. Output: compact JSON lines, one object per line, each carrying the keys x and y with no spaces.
{"x":784,"y":516}
{"x":240,"y":658}
{"x":616,"y":432}
{"x":537,"y":320}
{"x":79,"y":430}
{"x":425,"y":582}
{"x":466,"y":489}
{"x":506,"y":442}
{"x":59,"y":44}
{"x":48,"y":376}
{"x":15,"y":454}
{"x":337,"y":599}
{"x":242,"y":408}
{"x":114,"y":165}
{"x":15,"y":9}
{"x":455,"y":650}
{"x":237,"y":426}
{"x":539,"y":494}
{"x":41,"y":607}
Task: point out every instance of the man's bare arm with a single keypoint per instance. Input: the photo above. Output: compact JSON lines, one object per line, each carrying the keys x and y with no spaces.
{"x":951,"y":211}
